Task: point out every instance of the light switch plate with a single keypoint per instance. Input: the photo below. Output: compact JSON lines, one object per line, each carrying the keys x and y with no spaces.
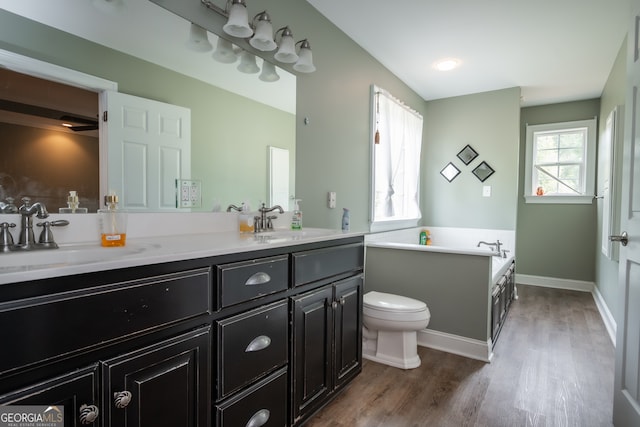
{"x":486,"y":191}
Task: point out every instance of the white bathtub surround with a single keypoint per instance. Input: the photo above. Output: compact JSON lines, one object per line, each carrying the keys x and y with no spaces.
{"x":453,"y":276}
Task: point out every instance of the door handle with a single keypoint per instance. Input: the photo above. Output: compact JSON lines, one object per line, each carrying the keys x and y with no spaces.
{"x":622,"y":238}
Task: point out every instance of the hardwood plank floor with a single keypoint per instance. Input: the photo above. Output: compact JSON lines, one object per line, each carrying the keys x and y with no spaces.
{"x":553,"y":365}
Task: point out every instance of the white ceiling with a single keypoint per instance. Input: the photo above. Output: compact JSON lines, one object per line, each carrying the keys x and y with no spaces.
{"x":555,"y":50}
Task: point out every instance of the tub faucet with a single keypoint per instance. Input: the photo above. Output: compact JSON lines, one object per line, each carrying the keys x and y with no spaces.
{"x":262,"y":223}
{"x":495,"y":245}
{"x":27,"y":210}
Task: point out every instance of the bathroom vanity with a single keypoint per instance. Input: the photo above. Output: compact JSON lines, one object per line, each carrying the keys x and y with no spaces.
{"x":204,"y":330}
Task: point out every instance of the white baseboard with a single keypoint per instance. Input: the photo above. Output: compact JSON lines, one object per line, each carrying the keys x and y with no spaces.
{"x":552,"y":282}
{"x":607,"y":317}
{"x":462,"y":346}
{"x":575,"y":285}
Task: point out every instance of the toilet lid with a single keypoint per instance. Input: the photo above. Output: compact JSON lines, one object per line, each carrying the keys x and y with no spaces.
{"x":389,"y":302}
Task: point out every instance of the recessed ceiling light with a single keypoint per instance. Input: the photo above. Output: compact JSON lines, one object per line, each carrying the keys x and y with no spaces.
{"x":447,"y":64}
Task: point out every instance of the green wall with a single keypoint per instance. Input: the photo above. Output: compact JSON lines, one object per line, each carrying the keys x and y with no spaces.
{"x":613,"y":95}
{"x":230,"y":133}
{"x":555,"y":240}
{"x":489,"y":123}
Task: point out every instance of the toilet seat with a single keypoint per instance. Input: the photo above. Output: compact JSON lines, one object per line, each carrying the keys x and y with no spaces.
{"x":396,"y":308}
{"x":392,"y":303}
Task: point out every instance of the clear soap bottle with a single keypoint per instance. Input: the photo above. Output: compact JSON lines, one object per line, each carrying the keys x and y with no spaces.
{"x":113,"y":222}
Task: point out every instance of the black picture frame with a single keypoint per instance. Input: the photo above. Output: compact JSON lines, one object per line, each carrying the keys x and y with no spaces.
{"x":467,"y":154}
{"x":483,"y":171}
{"x":450,"y":172}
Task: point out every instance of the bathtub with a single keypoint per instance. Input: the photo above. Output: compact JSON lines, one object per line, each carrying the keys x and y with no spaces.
{"x":453,"y":276}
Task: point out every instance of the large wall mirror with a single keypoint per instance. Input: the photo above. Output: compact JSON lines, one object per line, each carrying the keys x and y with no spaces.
{"x":231,"y":132}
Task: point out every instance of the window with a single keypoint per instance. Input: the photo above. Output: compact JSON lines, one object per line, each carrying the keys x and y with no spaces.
{"x":396,"y":146}
{"x":560,"y":162}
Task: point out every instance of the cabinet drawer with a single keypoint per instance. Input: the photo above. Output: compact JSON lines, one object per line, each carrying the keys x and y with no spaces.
{"x":250,"y":345}
{"x":264,"y":404}
{"x":52,"y":325}
{"x":313,"y":265}
{"x":243,"y":281}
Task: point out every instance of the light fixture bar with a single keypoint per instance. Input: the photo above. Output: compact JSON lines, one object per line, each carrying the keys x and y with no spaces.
{"x":199,"y":13}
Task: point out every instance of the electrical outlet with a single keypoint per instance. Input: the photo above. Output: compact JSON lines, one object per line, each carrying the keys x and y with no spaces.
{"x":331,"y":199}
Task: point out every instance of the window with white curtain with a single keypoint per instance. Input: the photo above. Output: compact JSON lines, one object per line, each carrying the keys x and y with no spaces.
{"x":396,"y":145}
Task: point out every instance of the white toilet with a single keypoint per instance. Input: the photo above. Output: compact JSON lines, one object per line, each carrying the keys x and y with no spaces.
{"x":390,"y":325}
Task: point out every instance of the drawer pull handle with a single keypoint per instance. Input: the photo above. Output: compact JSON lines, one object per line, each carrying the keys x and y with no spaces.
{"x":121,"y":399}
{"x":258,"y":279}
{"x":88,"y":414}
{"x":258,"y":343}
{"x":258,"y":419}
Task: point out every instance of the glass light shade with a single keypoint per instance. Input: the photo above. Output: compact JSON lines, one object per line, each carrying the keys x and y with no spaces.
{"x":268,"y":73}
{"x":263,"y":38}
{"x":287,"y":51}
{"x":238,"y":23}
{"x":248,"y":63}
{"x":305,"y":59}
{"x":198,"y":40}
{"x":224,"y":52}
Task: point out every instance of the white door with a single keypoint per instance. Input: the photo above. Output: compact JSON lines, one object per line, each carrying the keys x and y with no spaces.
{"x":626,"y":411}
{"x":148,"y":149}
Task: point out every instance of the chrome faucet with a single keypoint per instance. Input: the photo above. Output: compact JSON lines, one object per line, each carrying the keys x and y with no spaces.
{"x":27,"y":210}
{"x":262,"y":222}
{"x":495,"y":245}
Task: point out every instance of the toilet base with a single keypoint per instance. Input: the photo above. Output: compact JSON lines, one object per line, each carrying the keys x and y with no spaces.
{"x":393,"y":348}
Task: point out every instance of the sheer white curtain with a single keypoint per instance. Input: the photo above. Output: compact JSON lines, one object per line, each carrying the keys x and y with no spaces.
{"x":396,"y":161}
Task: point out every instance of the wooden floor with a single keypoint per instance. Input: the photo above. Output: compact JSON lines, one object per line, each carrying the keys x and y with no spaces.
{"x":553,"y":365}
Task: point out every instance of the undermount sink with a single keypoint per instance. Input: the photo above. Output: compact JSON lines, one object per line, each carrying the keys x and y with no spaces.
{"x":66,"y":254}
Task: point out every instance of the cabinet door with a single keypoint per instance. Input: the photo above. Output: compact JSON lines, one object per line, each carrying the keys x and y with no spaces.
{"x":164,"y":385}
{"x":76,"y":392}
{"x":311,"y":358}
{"x":348,"y":329}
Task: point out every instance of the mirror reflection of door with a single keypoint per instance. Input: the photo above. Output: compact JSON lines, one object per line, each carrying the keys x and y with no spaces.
{"x":279,"y":177}
{"x":49,"y":141}
{"x":149,"y":148}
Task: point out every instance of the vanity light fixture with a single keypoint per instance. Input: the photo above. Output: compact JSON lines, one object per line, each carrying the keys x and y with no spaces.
{"x":268,"y":73}
{"x":198,"y":39}
{"x":247,"y":63}
{"x":263,"y":37}
{"x":225,"y":52}
{"x":305,"y":58}
{"x":238,"y":22}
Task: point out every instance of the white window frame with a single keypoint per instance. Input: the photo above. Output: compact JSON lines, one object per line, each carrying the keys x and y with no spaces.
{"x":390,"y":223}
{"x":589,"y":163}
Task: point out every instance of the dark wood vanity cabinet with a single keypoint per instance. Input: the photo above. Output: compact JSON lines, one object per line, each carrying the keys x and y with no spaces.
{"x":326,"y":343}
{"x":502,"y":295}
{"x":260,"y":338}
{"x":166,"y":384}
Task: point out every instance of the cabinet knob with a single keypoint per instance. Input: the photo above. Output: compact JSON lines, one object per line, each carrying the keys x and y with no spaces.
{"x":258,"y":343}
{"x":258,"y":419}
{"x":259,"y":278}
{"x":121,"y":399}
{"x":88,"y":414}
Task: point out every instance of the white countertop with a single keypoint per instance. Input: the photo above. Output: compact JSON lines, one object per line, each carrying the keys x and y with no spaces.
{"x":90,"y":257}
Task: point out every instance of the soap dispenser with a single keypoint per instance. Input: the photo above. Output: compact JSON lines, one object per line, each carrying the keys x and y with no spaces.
{"x":296,"y":218}
{"x":113,"y":222}
{"x":345,"y":219}
{"x":245,"y":219}
{"x":73,"y":204}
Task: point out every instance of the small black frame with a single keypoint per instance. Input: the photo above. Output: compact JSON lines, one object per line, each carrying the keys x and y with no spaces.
{"x":467,"y":154}
{"x":483,"y":171}
{"x":450,"y":172}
